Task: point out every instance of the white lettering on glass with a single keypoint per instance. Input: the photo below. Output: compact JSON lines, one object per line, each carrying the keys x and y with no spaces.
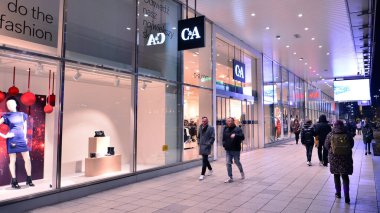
{"x":156,"y":40}
{"x":239,"y":71}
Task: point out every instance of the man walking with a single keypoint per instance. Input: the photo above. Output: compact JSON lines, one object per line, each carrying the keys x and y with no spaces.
{"x":232,"y":139}
{"x":206,"y":138}
{"x":322,"y":129}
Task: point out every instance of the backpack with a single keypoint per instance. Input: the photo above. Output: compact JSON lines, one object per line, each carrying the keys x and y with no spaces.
{"x":340,"y":144}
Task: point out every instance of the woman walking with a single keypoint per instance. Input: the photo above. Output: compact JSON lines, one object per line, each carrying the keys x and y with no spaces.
{"x":296,"y":129}
{"x":340,"y":143}
{"x":307,"y":139}
{"x":367,"y":136}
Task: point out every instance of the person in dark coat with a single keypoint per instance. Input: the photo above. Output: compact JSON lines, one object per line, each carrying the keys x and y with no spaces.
{"x":341,"y":165}
{"x":232,"y":138}
{"x":206,"y":138}
{"x":307,"y":139}
{"x":296,"y":129}
{"x":322,"y":129}
{"x":367,"y":132}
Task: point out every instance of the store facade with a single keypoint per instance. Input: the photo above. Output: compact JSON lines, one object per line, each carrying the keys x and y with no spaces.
{"x":122,"y":75}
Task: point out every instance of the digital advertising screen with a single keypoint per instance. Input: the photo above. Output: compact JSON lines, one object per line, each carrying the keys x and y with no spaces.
{"x":352,"y":90}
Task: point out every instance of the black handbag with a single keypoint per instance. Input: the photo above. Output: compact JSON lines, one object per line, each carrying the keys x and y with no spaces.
{"x":99,"y":134}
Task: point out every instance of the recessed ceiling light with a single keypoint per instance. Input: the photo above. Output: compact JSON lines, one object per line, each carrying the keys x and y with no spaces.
{"x":287,"y":46}
{"x":327,"y":53}
{"x":128,"y":28}
{"x":195,"y":55}
{"x":267,"y":28}
{"x":217,"y":54}
{"x":306,"y":28}
{"x":305,"y":63}
{"x":294,"y":53}
{"x":146,"y":15}
{"x":253,"y":14}
{"x":300,"y":15}
{"x":187,"y":68}
{"x":317,"y":73}
{"x":310,"y":68}
{"x":174,"y":28}
{"x":313,"y":39}
{"x":323,"y":80}
{"x":278,"y":37}
{"x":320,"y":46}
{"x":301,"y":59}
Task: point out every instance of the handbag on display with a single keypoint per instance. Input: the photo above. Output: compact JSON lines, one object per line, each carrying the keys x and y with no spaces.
{"x":99,"y":134}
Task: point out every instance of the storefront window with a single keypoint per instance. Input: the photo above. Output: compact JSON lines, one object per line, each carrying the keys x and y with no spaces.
{"x":157,"y":39}
{"x":87,"y":155}
{"x":270,"y":97}
{"x":226,"y":53}
{"x":38,"y":150}
{"x":197,"y":104}
{"x":159,"y":138}
{"x":197,"y":64}
{"x":94,"y":36}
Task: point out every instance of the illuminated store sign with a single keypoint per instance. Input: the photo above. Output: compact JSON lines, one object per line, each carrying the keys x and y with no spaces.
{"x":239,"y":70}
{"x":191,"y":33}
{"x":157,"y":39}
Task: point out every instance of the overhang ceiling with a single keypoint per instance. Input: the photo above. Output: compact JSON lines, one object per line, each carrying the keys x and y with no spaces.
{"x":315,"y":37}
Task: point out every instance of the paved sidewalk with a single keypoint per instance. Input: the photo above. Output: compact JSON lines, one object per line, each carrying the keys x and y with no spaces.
{"x":277,"y":180}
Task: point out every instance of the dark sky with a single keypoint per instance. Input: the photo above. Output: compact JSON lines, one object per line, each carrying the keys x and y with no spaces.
{"x":375,"y":79}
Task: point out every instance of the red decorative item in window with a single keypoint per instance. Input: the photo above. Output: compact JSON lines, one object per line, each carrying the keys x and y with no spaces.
{"x":28,"y":98}
{"x":48,"y":108}
{"x":2,"y":96}
{"x":51,"y":98}
{"x":13,"y":90}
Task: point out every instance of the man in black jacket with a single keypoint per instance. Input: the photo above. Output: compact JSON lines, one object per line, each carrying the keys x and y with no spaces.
{"x":232,"y":139}
{"x":322,"y":129}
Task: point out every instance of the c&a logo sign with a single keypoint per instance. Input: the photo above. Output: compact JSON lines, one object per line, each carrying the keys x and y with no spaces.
{"x":157,"y":39}
{"x":191,"y":33}
{"x":187,"y":34}
{"x":239,"y":71}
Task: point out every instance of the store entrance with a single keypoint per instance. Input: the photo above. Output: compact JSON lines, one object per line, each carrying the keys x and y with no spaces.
{"x":242,"y":111}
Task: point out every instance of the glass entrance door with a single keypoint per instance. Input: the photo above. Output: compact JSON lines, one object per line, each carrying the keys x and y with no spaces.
{"x":242,"y":112}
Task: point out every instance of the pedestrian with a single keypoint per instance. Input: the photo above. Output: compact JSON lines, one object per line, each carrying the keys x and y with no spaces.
{"x":367,"y":136}
{"x":359,"y":127}
{"x":322,"y":129}
{"x":232,"y":139}
{"x":206,"y":138}
{"x":307,"y":139}
{"x":340,"y":143}
{"x":297,"y":129}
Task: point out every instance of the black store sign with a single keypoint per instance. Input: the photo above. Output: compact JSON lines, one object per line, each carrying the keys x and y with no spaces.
{"x":239,"y":71}
{"x":191,"y":33}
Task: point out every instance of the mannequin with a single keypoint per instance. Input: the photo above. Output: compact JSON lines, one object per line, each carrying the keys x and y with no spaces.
{"x":16,"y":140}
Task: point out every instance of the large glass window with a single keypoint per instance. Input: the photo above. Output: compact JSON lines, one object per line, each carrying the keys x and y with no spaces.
{"x":158,"y":127}
{"x":157,"y":38}
{"x":35,"y":156}
{"x":197,"y":64}
{"x":85,"y":156}
{"x":226,"y":53}
{"x":95,"y":36}
{"x":197,"y":104}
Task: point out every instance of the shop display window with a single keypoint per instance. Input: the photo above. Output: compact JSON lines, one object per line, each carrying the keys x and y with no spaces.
{"x":97,"y":131}
{"x":159,"y":141}
{"x":26,"y":112}
{"x":197,"y":104}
